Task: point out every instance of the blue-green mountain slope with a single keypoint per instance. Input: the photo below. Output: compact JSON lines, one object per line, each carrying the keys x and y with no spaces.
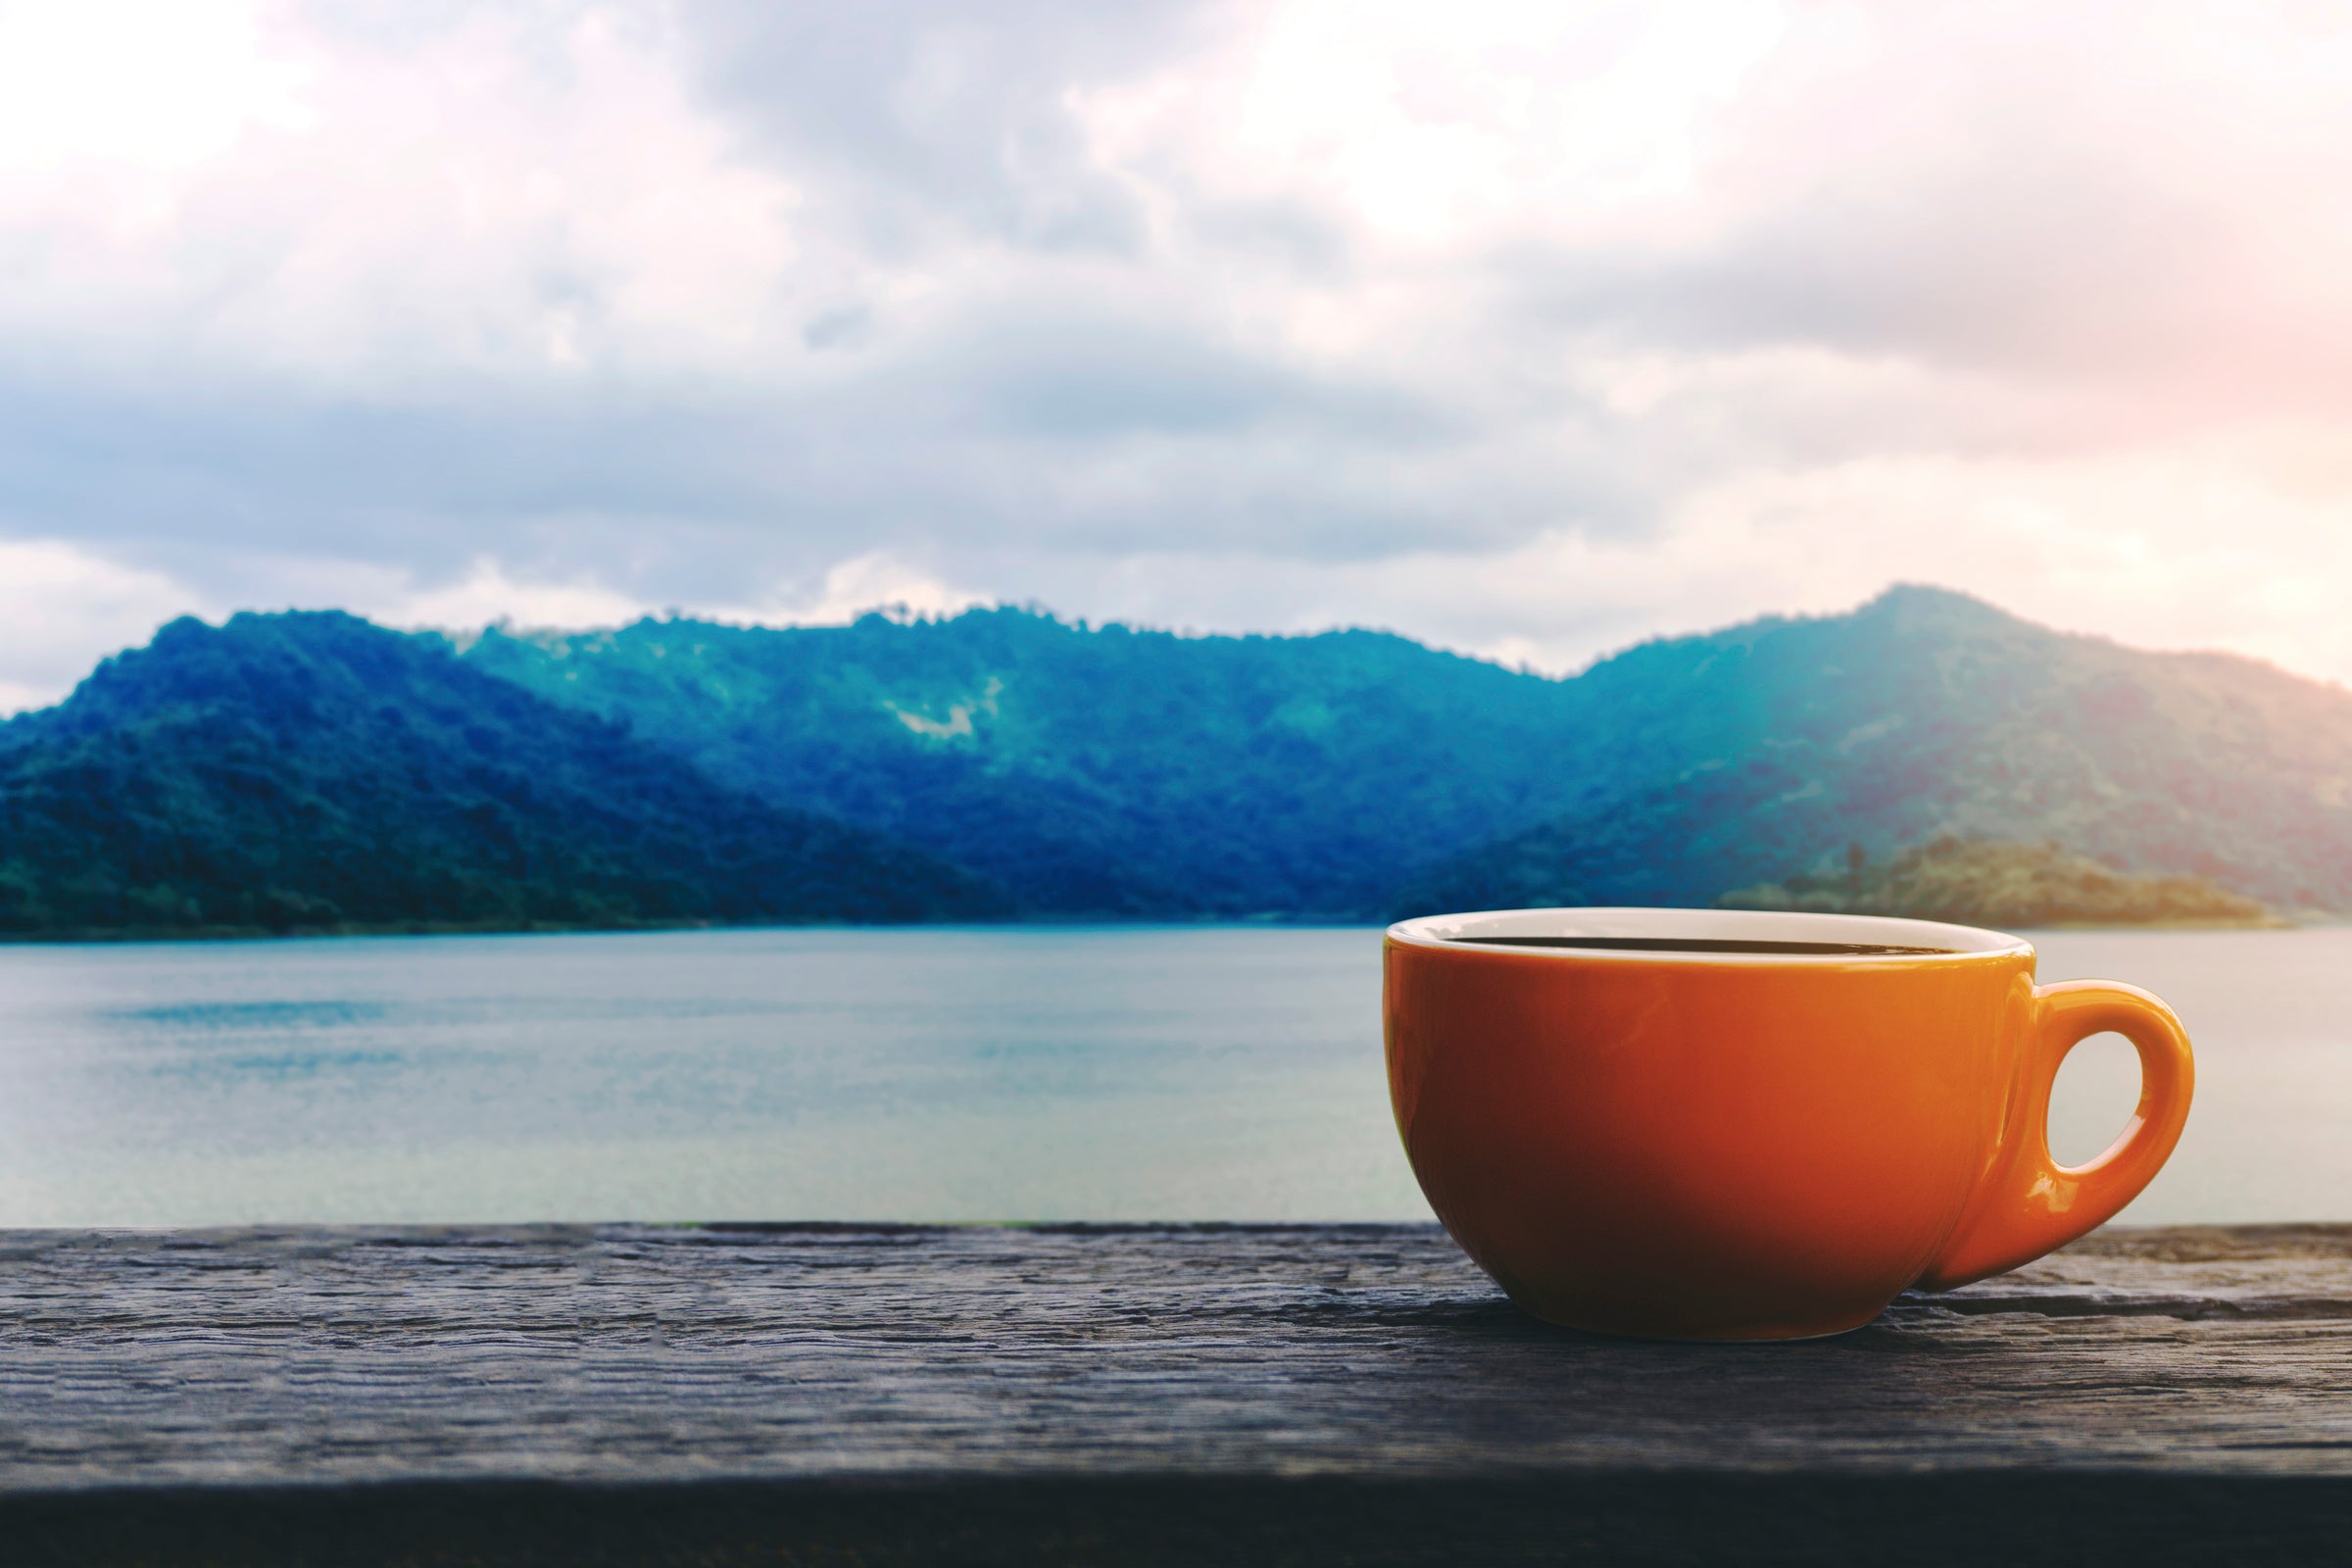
{"x":312,"y":769}
{"x":1098,"y":770}
{"x":1768,"y":749}
{"x":1109,"y":770}
{"x":315,"y":771}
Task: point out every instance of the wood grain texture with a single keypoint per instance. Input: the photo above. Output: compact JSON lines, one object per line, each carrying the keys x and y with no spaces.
{"x":1349,"y":1353}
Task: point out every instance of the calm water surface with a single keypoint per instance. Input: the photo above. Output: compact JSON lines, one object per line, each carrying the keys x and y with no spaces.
{"x":944,"y":1074}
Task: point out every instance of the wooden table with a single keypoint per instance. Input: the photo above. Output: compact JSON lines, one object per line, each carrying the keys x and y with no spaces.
{"x":728,"y":1395}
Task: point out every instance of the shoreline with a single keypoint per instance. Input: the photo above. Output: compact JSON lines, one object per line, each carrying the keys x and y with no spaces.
{"x":125,"y":936}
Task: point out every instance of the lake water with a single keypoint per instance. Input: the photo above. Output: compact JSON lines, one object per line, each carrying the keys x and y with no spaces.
{"x":1114,"y":1073}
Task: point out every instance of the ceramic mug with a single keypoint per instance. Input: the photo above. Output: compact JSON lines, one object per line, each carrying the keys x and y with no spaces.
{"x":1750,"y":1125}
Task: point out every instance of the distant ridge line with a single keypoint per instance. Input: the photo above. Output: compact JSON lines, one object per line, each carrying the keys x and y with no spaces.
{"x":1017,"y":764}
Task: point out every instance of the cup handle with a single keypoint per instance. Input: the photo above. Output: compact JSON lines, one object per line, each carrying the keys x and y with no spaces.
{"x":2028,"y":1203}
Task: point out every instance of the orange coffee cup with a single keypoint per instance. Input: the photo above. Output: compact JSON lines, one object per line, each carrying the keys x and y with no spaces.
{"x":1750,"y":1125}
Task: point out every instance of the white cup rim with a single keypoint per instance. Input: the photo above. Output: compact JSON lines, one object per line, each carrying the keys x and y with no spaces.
{"x":1553,"y":933}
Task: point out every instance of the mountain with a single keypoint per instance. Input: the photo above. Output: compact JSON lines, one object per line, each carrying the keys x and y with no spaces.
{"x":315,"y":771}
{"x":1986,"y":882}
{"x":1097,"y":770}
{"x":1128,"y":772}
{"x":1772,"y":746}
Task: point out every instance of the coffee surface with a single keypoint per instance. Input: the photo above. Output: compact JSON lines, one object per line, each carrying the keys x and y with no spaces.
{"x":1854,"y":950}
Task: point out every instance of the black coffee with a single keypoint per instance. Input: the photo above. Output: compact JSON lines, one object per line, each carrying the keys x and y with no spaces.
{"x":1844,"y":950}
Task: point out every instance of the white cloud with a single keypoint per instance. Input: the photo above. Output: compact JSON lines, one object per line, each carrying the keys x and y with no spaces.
{"x":63,"y":609}
{"x":2174,"y":550}
{"x":133,"y":84}
{"x":518,"y":194}
{"x":487,"y":594}
{"x":1437,"y":129}
{"x":1529,"y":330}
{"x":875,"y":580}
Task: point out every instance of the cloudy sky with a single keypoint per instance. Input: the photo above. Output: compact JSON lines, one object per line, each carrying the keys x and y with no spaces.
{"x":1526,"y":328}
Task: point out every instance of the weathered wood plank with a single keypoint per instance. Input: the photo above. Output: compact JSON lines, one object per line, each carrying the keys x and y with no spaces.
{"x":1356,"y":1354}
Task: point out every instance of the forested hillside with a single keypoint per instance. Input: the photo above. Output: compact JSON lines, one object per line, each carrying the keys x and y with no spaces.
{"x":1745,"y":756}
{"x":313,"y":771}
{"x":1100,"y":770}
{"x":1109,"y":770}
{"x":1990,"y":883}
